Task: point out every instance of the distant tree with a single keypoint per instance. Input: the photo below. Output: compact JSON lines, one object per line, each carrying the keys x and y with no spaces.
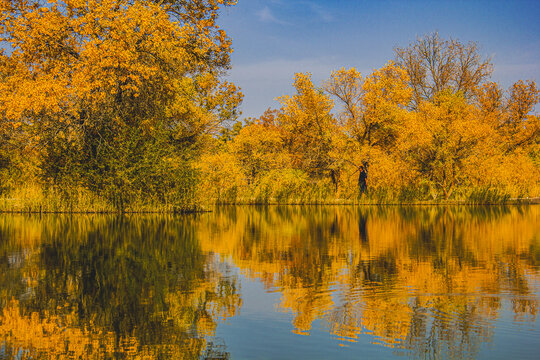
{"x":520,"y":126}
{"x":511,"y":113}
{"x":434,"y":64}
{"x":258,"y":147}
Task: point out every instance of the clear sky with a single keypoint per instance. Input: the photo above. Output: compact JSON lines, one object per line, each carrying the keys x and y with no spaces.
{"x":273,"y":39}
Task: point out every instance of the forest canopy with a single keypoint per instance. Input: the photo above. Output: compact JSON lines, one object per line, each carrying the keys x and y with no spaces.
{"x":430,"y":125}
{"x":123,"y":105}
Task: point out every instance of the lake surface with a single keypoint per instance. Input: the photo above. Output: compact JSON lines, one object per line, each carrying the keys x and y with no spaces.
{"x":273,"y":283}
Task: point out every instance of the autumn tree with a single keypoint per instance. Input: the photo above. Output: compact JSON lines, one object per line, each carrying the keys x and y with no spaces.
{"x":513,"y":114}
{"x":434,"y":64}
{"x":117,"y":95}
{"x":372,"y":112}
{"x":307,"y":124}
{"x":258,"y":147}
{"x":513,"y":156}
{"x":438,"y":140}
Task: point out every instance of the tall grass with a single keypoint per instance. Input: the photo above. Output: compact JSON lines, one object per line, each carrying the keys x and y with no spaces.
{"x":33,"y":198}
{"x":487,"y":195}
{"x":292,"y":190}
{"x":269,"y":192}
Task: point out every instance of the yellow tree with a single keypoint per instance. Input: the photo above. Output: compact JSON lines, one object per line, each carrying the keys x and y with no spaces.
{"x":372,"y":113}
{"x":118,"y":87}
{"x":511,"y":161}
{"x":511,"y":113}
{"x":440,"y":138}
{"x":520,"y":126}
{"x":259,"y":147}
{"x":307,"y":127}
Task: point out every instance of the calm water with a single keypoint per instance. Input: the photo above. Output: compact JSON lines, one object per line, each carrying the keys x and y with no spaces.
{"x":273,"y":283}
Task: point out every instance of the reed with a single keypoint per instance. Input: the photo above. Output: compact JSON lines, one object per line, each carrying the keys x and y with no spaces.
{"x":322,"y":193}
{"x":33,"y":198}
{"x":487,"y":195}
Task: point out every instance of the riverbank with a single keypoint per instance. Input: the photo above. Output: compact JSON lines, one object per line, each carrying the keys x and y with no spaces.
{"x":18,"y":206}
{"x":34,"y":199}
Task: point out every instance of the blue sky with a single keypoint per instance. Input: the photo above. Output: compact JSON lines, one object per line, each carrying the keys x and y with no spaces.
{"x":273,"y":39}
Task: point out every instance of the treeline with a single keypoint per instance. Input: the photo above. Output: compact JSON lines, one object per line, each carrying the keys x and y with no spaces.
{"x":429,"y":125}
{"x":122,"y":105}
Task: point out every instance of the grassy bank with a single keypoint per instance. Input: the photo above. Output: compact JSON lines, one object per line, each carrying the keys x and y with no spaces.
{"x":35,"y":199}
{"x":370,"y":201}
{"x":324,"y":193}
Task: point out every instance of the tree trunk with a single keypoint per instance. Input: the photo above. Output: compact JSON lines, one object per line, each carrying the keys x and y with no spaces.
{"x":334,"y":176}
{"x":362,"y":179}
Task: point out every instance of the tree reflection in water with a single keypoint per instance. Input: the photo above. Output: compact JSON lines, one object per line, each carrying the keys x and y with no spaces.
{"x":430,"y":282}
{"x":109,"y":287}
{"x":427,"y":280}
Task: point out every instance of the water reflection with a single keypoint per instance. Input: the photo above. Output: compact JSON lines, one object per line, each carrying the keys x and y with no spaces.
{"x":429,"y":282}
{"x":99,"y":287}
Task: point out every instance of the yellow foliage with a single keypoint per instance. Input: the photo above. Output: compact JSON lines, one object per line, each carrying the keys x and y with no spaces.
{"x":74,"y":58}
{"x":307,"y":124}
{"x":441,"y":137}
{"x":258,"y":148}
{"x":444,"y":147}
{"x":221,"y":176}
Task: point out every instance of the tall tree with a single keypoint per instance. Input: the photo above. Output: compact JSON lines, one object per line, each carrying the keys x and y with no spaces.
{"x":258,"y":147}
{"x":307,"y":124}
{"x":372,"y":113}
{"x":434,"y":64}
{"x":511,"y":113}
{"x":117,"y":94}
{"x":440,"y":138}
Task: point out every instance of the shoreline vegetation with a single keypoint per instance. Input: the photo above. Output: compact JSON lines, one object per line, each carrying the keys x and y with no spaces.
{"x":124,"y":107}
{"x":34,"y":203}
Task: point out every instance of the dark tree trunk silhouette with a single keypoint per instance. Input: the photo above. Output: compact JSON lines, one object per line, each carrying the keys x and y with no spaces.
{"x":362,"y":179}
